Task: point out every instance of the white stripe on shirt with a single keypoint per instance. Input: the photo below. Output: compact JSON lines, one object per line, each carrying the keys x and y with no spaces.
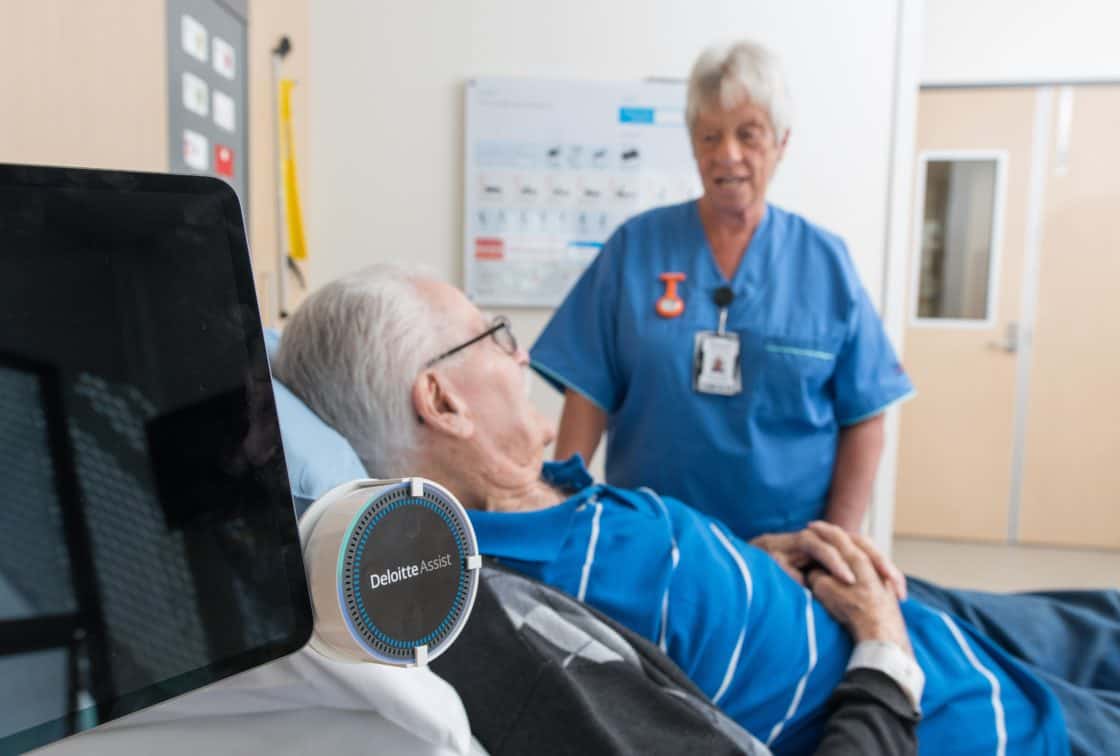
{"x":811,"y":631}
{"x":676,"y":555}
{"x":731,"y":665}
{"x":592,"y":542}
{"x":997,"y":704}
{"x":746,"y":575}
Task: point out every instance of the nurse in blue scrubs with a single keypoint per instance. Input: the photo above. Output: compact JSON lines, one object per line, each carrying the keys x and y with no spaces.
{"x":726,"y":345}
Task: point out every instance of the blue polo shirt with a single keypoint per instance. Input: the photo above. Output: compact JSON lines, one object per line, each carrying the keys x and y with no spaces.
{"x":813,"y":358}
{"x":750,"y":637}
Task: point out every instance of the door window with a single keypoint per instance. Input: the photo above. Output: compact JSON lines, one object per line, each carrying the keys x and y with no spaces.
{"x":957,"y":257}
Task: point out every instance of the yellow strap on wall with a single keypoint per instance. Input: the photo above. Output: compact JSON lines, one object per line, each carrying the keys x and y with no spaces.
{"x":293,"y":216}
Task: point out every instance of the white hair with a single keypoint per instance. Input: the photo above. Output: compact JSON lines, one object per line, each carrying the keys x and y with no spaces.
{"x":352,"y":351}
{"x":726,"y":75}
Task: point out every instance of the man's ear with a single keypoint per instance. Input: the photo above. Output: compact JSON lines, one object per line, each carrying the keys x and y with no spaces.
{"x":439,"y":406}
{"x":782,"y":144}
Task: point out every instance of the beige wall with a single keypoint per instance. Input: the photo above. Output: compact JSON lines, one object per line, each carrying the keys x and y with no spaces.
{"x":85,"y":84}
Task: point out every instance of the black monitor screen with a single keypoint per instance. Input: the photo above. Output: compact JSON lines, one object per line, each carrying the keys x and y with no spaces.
{"x":147,"y":540}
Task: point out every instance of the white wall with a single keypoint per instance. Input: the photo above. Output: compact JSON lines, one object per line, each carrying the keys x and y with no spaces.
{"x":1020,"y":41}
{"x":386,"y":101}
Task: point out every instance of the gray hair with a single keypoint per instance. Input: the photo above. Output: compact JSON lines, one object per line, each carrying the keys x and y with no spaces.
{"x":352,"y":351}
{"x":726,"y":75}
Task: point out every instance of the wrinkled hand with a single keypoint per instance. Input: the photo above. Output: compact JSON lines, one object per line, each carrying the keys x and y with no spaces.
{"x":868,"y":606}
{"x":796,"y":552}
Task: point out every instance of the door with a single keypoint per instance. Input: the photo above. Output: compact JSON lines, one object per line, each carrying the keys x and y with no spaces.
{"x":1014,"y":345}
{"x":956,"y":439}
{"x":1071,"y":471}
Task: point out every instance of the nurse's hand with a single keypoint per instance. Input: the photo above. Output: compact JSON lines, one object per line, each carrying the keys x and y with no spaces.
{"x":814,"y":547}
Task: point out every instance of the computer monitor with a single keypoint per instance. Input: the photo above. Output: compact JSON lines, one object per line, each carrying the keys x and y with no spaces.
{"x":148,"y":544}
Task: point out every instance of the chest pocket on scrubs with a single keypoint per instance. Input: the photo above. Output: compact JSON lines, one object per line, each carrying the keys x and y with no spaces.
{"x":793,"y":385}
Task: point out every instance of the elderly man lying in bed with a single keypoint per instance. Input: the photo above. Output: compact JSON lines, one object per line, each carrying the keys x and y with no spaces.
{"x":419,"y":382}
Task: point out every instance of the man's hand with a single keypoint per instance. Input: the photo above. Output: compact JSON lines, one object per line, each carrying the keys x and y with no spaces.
{"x":796,"y":552}
{"x":868,"y":606}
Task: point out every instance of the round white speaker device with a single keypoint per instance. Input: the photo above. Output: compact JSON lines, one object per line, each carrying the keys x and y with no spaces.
{"x":392,"y":566}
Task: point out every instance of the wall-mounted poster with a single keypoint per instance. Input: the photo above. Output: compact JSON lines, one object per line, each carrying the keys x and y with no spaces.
{"x":553,"y":167}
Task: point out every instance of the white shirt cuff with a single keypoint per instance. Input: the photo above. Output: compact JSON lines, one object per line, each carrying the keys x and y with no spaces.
{"x":895,"y":663}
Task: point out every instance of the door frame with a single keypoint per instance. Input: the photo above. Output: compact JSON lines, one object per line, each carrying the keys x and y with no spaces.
{"x":1042,"y":143}
{"x":909,"y":30}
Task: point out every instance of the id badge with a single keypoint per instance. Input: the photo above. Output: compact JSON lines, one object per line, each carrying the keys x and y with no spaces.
{"x":715,"y":363}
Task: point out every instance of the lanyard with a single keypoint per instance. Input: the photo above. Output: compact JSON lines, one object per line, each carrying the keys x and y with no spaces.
{"x":723,"y":297}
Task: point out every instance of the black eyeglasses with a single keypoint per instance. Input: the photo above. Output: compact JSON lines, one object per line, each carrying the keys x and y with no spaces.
{"x":499,"y":330}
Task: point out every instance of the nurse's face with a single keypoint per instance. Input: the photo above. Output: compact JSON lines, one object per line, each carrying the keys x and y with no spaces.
{"x":736,"y":151}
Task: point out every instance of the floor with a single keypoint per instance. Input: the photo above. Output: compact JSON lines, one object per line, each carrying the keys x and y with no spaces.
{"x":995,"y":567}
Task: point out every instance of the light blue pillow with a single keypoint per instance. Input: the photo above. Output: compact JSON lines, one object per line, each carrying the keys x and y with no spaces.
{"x":318,"y":457}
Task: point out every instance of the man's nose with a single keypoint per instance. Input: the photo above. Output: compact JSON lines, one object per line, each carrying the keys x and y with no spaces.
{"x":521,"y":356}
{"x":728,"y":150}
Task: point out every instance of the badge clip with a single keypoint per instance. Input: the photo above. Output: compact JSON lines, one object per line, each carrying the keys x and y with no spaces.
{"x":670,"y":305}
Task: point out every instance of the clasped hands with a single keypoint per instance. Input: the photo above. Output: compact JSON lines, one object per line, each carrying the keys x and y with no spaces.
{"x":854,"y":581}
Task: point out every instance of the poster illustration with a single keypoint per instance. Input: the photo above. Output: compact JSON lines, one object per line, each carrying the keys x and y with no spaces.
{"x":553,"y":167}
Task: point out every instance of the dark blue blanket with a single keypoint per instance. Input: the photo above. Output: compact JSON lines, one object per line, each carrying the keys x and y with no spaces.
{"x":1071,"y":639}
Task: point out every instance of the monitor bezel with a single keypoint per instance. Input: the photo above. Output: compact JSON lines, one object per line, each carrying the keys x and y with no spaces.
{"x":49,"y":177}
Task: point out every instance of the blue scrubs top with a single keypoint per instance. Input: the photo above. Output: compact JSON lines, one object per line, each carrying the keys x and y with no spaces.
{"x":814,"y":357}
{"x":753,"y":640}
